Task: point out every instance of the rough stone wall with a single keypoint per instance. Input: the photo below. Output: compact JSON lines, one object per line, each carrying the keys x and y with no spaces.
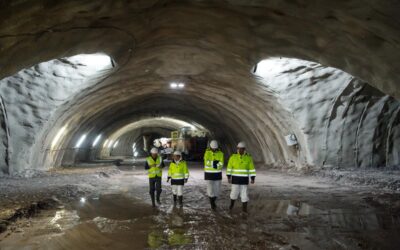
{"x":346,"y":122}
{"x":30,"y":98}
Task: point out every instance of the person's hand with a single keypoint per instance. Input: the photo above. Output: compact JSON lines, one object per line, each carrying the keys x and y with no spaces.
{"x":168,"y":179}
{"x":252,"y":181}
{"x":229,"y":180}
{"x":186,"y":180}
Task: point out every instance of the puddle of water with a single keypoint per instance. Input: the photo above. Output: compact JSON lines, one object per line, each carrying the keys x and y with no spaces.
{"x":118,"y":221}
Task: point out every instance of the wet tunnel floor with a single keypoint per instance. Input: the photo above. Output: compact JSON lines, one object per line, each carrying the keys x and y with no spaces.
{"x":285,"y":212}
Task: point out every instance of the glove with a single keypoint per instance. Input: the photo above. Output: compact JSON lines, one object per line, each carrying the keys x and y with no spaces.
{"x":215,"y":164}
{"x":186,"y":180}
{"x":168,"y":179}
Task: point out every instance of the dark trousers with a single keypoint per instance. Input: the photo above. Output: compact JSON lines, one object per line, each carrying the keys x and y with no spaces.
{"x":155,"y":185}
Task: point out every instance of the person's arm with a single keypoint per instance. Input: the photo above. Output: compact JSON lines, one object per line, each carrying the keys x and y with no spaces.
{"x":221,"y":161}
{"x":229,"y":169}
{"x":146,"y":165}
{"x":186,"y":172}
{"x":206,"y":158}
{"x":252,"y":170}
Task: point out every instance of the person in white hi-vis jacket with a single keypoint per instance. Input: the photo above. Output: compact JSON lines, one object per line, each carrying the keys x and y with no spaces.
{"x":240,"y":168}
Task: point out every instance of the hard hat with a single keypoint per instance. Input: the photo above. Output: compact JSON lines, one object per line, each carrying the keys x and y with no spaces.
{"x":154,"y":151}
{"x":177,"y":153}
{"x":241,"y":144}
{"x":214,"y":144}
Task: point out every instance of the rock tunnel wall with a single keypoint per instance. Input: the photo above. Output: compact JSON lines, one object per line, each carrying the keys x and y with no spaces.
{"x":30,"y":99}
{"x":212,"y":47}
{"x":346,"y":122}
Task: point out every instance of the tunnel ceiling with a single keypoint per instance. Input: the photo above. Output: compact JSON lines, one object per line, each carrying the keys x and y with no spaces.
{"x":210,"y":47}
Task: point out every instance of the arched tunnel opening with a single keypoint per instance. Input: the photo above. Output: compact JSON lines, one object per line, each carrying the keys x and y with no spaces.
{"x":89,"y":91}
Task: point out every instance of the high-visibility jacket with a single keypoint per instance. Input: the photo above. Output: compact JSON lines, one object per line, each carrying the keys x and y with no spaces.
{"x":178,"y":172}
{"x":213,"y":164}
{"x":155,"y":166}
{"x":240,"y":168}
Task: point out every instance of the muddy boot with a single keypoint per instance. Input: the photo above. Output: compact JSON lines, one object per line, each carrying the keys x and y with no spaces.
{"x":244,"y":207}
{"x":153,"y":202}
{"x":180,"y":200}
{"x":215,"y":204}
{"x":158,"y":198}
{"x":232,"y":204}
{"x":212,"y":202}
{"x":174,"y":200}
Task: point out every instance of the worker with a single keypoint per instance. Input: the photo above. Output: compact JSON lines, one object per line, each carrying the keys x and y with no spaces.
{"x":213,"y":164}
{"x":178,"y":173}
{"x":240,"y":168}
{"x":154,"y":164}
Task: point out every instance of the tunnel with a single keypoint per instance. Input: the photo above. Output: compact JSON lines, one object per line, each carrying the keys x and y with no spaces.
{"x":88,"y":88}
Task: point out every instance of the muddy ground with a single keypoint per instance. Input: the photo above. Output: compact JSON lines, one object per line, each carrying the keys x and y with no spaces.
{"x":109,"y":208}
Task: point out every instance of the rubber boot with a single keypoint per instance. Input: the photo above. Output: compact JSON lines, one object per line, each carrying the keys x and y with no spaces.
{"x":180,"y":200}
{"x":232,"y":204}
{"x":158,"y":198}
{"x":153,"y":203}
{"x":244,"y":207}
{"x":212,"y":201}
{"x":174,"y":200}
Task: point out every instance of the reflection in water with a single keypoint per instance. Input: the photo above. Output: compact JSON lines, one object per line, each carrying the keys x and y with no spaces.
{"x":121,"y":222}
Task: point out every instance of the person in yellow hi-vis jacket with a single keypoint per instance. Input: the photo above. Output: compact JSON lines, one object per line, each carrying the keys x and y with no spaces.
{"x":240,"y":168}
{"x":154,"y":165}
{"x":213,"y":163}
{"x":178,"y":173}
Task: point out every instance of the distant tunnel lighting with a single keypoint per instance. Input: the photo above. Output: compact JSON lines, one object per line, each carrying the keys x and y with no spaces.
{"x":58,"y":136}
{"x":175,"y":85}
{"x":115,"y":144}
{"x":135,"y":154}
{"x":96,"y":140}
{"x":82,"y":199}
{"x":80,"y":141}
{"x":134,"y":145}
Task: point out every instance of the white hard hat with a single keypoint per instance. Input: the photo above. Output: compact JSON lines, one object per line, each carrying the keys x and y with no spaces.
{"x":214,"y":144}
{"x":241,"y":145}
{"x":177,"y":153}
{"x":154,"y":151}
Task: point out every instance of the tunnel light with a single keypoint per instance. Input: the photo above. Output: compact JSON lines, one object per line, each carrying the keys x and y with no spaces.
{"x":135,"y":154}
{"x":105,"y":143}
{"x":58,"y":136}
{"x":96,"y":140}
{"x":80,"y":141}
{"x":176,"y":85}
{"x":110,"y":143}
{"x":82,"y":199}
{"x":115,"y":144}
